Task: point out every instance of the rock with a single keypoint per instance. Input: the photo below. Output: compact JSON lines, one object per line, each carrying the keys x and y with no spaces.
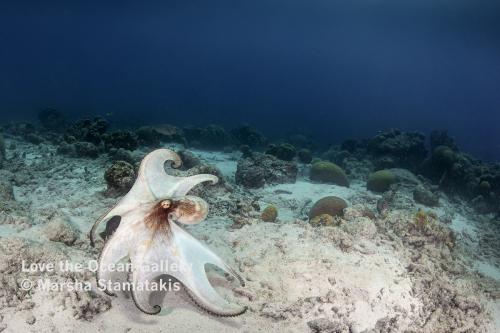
{"x":443,"y":157}
{"x":324,"y":220}
{"x":301,"y":140}
{"x":86,"y":149}
{"x":170,"y":133}
{"x":34,"y":138}
{"x":30,"y":319}
{"x":51,"y":119}
{"x":331,"y":205}
{"x":361,"y":227}
{"x":121,"y":139}
{"x":327,"y":172}
{"x":66,"y":149}
{"x":188,"y":159}
{"x":121,"y":154}
{"x":425,"y":197}
{"x":210,"y":137}
{"x":148,"y":136}
{"x":261,"y":169}
{"x":87,"y":304}
{"x":207,"y":169}
{"x":61,"y":230}
{"x":249,"y":136}
{"x":323,"y":325}
{"x":87,"y":130}
{"x":484,"y":187}
{"x":120,"y":177}
{"x":246,"y":151}
{"x":406,"y":150}
{"x":441,"y":138}
{"x":270,"y":214}
{"x":381,"y":181}
{"x":283,"y":151}
{"x":304,"y":155}
{"x":6,"y":190}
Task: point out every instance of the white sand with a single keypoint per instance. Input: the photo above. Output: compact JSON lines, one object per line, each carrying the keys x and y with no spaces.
{"x":294,"y":272}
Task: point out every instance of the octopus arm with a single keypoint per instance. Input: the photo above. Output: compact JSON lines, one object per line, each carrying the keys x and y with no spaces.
{"x":128,"y":235}
{"x":153,"y":183}
{"x":195,"y":278}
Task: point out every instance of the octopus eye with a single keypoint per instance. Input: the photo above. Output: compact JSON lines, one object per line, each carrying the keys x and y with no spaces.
{"x":165,"y":204}
{"x":172,"y":217}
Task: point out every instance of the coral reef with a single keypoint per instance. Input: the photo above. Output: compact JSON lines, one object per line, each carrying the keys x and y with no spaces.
{"x":148,"y":136}
{"x":51,"y":119}
{"x":170,"y":133}
{"x":87,"y":130}
{"x":269,"y":214}
{"x":327,"y":172}
{"x":261,"y":169}
{"x":324,"y":220}
{"x":425,"y":197}
{"x":381,"y":181}
{"x":283,"y":151}
{"x":398,"y":149}
{"x":301,"y":140}
{"x":121,"y":139}
{"x":2,"y":150}
{"x":120,"y":177}
{"x":210,"y":137}
{"x":84,"y":149}
{"x":441,"y":138}
{"x":304,"y":155}
{"x":246,"y":135}
{"x":331,"y":205}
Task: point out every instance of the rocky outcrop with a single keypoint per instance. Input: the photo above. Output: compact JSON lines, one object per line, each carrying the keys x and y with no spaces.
{"x":261,"y":169}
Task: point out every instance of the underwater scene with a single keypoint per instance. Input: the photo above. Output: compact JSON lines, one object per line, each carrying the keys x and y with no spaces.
{"x":322,"y":166}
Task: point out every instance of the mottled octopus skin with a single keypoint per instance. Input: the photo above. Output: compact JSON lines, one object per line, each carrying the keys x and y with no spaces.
{"x":145,"y":246}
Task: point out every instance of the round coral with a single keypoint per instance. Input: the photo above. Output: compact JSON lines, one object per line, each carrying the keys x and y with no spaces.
{"x":270,"y":214}
{"x":327,"y":172}
{"x":333,"y":206}
{"x":381,"y":181}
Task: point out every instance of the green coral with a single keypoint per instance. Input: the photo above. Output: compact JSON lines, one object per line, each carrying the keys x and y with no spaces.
{"x":381,"y":181}
{"x":327,"y":172}
{"x":444,"y":155}
{"x":270,"y":214}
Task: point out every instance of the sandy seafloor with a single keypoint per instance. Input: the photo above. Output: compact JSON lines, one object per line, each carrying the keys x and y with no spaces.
{"x":370,"y":274}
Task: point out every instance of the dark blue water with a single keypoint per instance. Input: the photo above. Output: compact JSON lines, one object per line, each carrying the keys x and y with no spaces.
{"x":338,"y":69}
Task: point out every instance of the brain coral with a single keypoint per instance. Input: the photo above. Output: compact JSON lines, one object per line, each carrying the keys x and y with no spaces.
{"x":331,"y":205}
{"x":327,"y":172}
{"x":381,"y":181}
{"x":270,"y":214}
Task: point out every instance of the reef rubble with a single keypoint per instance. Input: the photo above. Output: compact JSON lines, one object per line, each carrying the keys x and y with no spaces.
{"x":417,"y":254}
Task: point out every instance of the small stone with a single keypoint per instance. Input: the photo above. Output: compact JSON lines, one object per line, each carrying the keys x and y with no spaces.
{"x":425,"y":197}
{"x":30,"y":319}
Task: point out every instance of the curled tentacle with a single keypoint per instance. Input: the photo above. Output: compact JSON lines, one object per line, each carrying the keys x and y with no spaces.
{"x":140,"y":297}
{"x":199,"y":304}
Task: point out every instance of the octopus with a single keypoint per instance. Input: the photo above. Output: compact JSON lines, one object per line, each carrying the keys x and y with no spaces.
{"x":149,"y":233}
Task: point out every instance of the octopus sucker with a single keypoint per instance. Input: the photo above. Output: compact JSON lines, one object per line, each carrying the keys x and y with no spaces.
{"x":148,"y":233}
